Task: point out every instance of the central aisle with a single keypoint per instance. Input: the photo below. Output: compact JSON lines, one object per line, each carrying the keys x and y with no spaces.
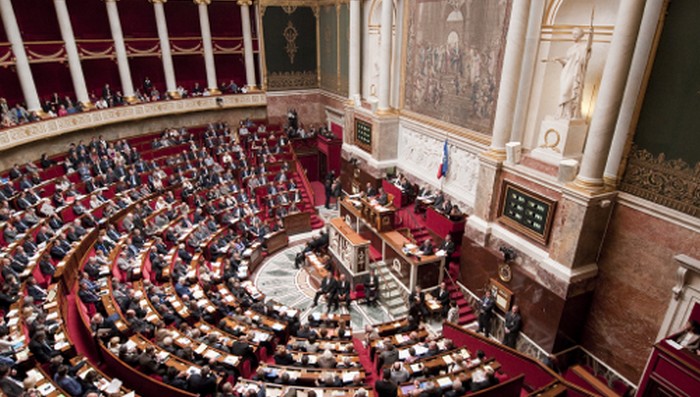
{"x":279,"y":280}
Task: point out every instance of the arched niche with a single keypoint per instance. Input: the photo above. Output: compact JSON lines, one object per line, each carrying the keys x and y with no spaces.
{"x":559,"y":19}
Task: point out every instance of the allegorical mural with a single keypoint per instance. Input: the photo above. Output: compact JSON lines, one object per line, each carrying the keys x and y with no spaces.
{"x":454,"y":57}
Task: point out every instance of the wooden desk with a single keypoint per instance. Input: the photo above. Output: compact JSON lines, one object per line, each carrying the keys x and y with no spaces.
{"x":306,"y":376}
{"x":276,"y":241}
{"x":349,"y":248}
{"x":299,"y":222}
{"x":379,"y":217}
{"x":400,"y":197}
{"x":443,"y":225}
{"x":408,"y":265}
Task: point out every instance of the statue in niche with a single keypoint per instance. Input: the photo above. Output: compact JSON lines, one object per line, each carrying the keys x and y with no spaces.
{"x":574,"y":64}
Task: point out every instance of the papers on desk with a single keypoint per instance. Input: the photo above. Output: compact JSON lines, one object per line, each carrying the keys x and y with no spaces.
{"x":46,"y":389}
{"x":193,"y":370}
{"x":313,"y":359}
{"x":260,"y":337}
{"x":349,"y":376}
{"x":211,"y":354}
{"x":61,"y":345}
{"x":441,"y":253}
{"x":162,"y":356}
{"x":415,"y":368}
{"x":674,"y":344}
{"x":130,"y":344}
{"x":231,"y":360}
{"x":403,"y":354}
{"x":114,"y":386}
{"x":201,"y":349}
{"x":447,"y":359}
{"x":444,"y":382}
{"x":277,"y":327}
{"x":420,"y":350}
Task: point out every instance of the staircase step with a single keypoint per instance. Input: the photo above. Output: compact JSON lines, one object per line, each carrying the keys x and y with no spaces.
{"x":465,"y":310}
{"x":462,"y":302}
{"x":466,"y":319}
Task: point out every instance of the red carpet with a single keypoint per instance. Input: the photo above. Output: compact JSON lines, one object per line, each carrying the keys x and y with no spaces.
{"x":319,"y":192}
{"x":76,"y":330}
{"x":365,"y":361}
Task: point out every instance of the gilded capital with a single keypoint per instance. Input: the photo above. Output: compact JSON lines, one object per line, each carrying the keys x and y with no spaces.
{"x":110,"y":1}
{"x":200,"y":2}
{"x":158,"y":1}
{"x":245,"y":2}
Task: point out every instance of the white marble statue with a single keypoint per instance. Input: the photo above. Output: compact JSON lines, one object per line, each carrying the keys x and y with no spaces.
{"x":574,"y":63}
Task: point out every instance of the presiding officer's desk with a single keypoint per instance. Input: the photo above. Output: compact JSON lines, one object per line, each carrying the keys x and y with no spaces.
{"x":408,"y":264}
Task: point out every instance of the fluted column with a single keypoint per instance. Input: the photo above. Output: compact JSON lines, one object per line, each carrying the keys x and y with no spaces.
{"x":203,"y":6}
{"x":510,"y":77}
{"x":612,"y":86}
{"x":120,"y":49}
{"x":247,"y":43}
{"x":385,"y":35}
{"x":76,"y":69}
{"x":166,"y":54}
{"x":24,"y":72}
{"x":354,"y":66}
{"x":640,"y":59}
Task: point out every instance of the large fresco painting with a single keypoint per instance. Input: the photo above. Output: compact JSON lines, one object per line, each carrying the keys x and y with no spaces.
{"x":454,"y":57}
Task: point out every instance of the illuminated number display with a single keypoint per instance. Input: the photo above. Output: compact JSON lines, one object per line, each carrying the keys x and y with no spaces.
{"x":527,"y":212}
{"x":363,"y":134}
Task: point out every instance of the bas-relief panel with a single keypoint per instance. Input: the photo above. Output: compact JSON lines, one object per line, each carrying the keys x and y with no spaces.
{"x":421,"y":154}
{"x":454,"y":57}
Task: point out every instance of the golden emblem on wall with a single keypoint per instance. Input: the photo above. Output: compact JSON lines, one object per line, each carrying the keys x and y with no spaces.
{"x":290,"y":34}
{"x":551,"y":140}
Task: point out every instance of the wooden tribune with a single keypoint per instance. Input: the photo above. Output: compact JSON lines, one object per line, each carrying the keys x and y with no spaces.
{"x":297,"y":223}
{"x":348,"y":247}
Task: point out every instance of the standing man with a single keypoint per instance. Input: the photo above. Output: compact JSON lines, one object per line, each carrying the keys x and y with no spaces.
{"x":485,"y":313}
{"x":328,"y":185}
{"x":385,"y":387}
{"x":372,"y":288}
{"x":512,"y":326}
{"x":327,"y":289}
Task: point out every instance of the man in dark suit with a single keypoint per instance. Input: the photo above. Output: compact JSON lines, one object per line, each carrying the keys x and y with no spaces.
{"x":448,"y":246}
{"x":342,"y":293}
{"x":417,"y":303}
{"x":485,"y":313}
{"x":382,"y":198}
{"x":385,"y":387}
{"x":327,"y":289}
{"x":512,"y":326}
{"x":370,"y":191}
{"x":148,"y":361}
{"x":203,"y":383}
{"x":427,"y":247}
{"x":443,"y":296}
{"x":372,"y":288}
{"x":41,"y":349}
{"x":10,"y":386}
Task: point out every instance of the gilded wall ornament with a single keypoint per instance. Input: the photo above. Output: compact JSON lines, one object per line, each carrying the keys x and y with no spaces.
{"x":290,"y":34}
{"x":672,"y":183}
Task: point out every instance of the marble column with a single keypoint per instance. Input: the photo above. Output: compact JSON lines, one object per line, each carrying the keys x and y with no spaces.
{"x":640,"y":60}
{"x":510,"y":77}
{"x":203,"y":6}
{"x":165,"y":53}
{"x":76,"y":69}
{"x":386,"y":37}
{"x":354,"y":58}
{"x":248,"y":44}
{"x":120,"y":49}
{"x":24,"y":72}
{"x":612,"y":85}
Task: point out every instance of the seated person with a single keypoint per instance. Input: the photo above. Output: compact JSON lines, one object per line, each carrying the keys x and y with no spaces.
{"x":690,"y":338}
{"x":382,"y":198}
{"x":427,"y":247}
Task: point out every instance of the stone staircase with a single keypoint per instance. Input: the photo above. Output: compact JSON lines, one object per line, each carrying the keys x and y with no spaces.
{"x":390,"y":293}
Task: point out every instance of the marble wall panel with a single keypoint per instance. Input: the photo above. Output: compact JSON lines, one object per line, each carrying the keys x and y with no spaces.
{"x":636,"y":274}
